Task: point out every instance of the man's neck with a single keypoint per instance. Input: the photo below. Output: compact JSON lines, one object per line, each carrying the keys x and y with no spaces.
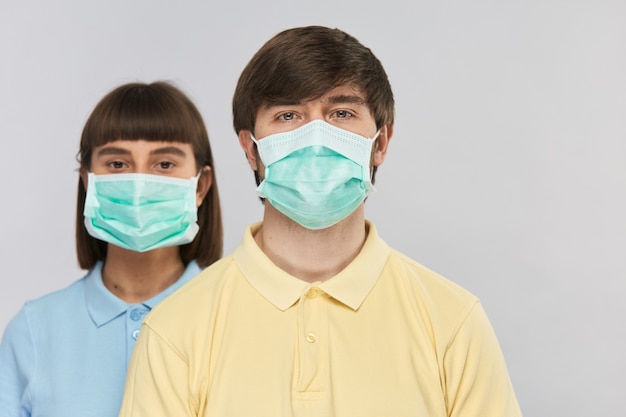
{"x":136,"y":277}
{"x":311,"y":255}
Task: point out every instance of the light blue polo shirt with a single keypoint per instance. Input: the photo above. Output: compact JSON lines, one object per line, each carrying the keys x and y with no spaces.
{"x":65,"y":354}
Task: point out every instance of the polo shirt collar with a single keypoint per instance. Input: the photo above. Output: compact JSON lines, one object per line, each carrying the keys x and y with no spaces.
{"x":104,"y":306}
{"x":350,"y":286}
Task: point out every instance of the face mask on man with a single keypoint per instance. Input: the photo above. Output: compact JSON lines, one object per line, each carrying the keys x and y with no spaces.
{"x":141,"y":212}
{"x":316,"y":175}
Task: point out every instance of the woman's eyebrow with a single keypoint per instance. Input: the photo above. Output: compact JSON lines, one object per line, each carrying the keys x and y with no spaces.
{"x":171,"y":150}
{"x":167,"y":150}
{"x":112,"y":150}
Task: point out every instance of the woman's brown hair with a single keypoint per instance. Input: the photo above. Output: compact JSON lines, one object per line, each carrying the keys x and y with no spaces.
{"x":157,"y":112}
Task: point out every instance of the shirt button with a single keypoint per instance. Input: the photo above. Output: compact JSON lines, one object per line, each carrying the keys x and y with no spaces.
{"x":310,"y":337}
{"x":312,"y":293}
{"x":135,"y":315}
{"x":135,"y":334}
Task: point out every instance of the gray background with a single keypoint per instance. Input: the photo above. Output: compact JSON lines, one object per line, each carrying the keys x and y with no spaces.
{"x":506,"y":172}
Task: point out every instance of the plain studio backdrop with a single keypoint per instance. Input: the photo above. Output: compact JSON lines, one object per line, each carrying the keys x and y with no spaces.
{"x":506,"y":173}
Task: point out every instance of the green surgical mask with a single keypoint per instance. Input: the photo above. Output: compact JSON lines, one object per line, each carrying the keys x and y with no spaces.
{"x":141,"y":212}
{"x":316,"y":175}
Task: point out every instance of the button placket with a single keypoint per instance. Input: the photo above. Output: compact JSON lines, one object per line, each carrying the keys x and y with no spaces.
{"x":312,"y":343}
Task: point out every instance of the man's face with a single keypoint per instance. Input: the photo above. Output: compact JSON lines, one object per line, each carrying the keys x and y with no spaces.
{"x":344,"y":107}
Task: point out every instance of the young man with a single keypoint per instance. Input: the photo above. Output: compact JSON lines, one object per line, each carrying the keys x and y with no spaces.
{"x":313,"y":314}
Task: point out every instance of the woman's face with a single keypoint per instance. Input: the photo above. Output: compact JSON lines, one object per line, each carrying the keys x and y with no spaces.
{"x":172,"y":159}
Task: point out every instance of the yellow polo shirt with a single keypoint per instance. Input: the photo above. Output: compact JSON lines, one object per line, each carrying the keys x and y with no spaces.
{"x":386,"y":337}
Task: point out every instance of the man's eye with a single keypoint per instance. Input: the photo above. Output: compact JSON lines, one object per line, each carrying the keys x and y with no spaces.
{"x":287,"y":116}
{"x":342,"y":114}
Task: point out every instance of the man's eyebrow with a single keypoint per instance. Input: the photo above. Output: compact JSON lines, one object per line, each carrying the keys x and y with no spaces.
{"x":345,"y":98}
{"x":338,"y":99}
{"x":269,"y":105}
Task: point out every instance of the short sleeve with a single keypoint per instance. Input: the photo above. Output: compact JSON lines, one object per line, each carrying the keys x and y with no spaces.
{"x":17,"y":365}
{"x":477,"y":381}
{"x":157,"y":382}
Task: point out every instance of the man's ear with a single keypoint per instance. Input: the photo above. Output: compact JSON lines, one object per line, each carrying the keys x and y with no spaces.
{"x":248,"y":146}
{"x":205,"y":181}
{"x":382,"y":144}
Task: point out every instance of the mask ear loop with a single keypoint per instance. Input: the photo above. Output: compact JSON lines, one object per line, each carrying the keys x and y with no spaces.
{"x":257,"y":178}
{"x":196,"y":179}
{"x":373,"y":169}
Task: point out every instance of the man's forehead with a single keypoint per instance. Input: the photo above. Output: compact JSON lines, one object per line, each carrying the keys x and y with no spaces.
{"x":347,"y":93}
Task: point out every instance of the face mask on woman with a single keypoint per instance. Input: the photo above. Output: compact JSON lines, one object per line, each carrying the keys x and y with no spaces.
{"x":141,"y":212}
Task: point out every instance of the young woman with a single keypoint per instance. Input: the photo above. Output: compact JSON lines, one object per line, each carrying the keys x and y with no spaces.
{"x":148,"y":220}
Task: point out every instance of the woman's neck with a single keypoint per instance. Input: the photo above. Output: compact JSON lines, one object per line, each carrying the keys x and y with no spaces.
{"x":136,"y":277}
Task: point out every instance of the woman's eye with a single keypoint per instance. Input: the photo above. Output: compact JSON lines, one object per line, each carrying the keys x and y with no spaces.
{"x":116,"y":164}
{"x":166,"y":165}
{"x":342,"y":114}
{"x":287,"y":116}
